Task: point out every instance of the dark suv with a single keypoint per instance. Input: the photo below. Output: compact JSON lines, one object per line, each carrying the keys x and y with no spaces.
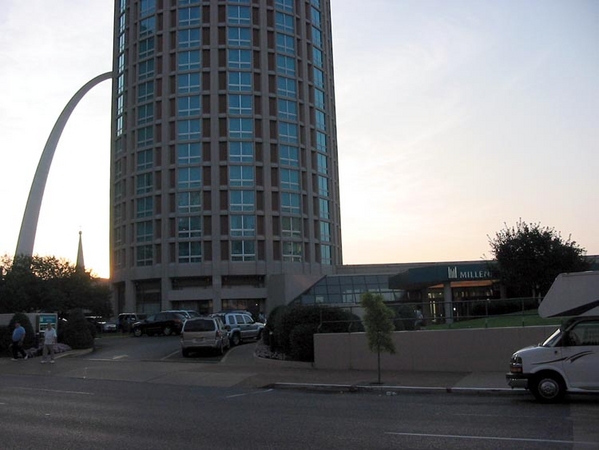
{"x":241,"y":326}
{"x":165,"y":323}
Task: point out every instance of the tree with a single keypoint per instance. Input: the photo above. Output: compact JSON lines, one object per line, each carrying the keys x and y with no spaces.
{"x":78,"y":332}
{"x":378,"y":320}
{"x":529,"y":257}
{"x":45,"y":283}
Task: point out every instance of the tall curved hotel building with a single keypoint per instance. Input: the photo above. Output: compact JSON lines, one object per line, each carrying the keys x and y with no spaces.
{"x":224,"y":164}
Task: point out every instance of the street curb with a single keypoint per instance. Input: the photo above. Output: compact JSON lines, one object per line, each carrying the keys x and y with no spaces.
{"x":390,"y":390}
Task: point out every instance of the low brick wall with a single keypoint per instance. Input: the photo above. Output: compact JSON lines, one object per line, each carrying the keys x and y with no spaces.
{"x":471,"y":350}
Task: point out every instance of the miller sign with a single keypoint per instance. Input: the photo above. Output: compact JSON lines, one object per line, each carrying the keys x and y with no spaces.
{"x":453,"y":273}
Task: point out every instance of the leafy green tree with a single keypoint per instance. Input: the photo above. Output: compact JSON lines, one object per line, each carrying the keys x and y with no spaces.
{"x":529,"y":257}
{"x":378,"y":320}
{"x":45,"y":283}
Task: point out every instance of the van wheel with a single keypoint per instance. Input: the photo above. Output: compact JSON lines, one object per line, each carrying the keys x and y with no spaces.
{"x":167,"y":331}
{"x":548,"y":387}
{"x":137,"y":332}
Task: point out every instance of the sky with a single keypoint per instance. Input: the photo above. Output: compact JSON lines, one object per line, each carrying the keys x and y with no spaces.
{"x":455,"y":119}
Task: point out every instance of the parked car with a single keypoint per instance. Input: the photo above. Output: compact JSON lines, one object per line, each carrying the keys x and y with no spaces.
{"x":204,"y":332}
{"x":188,"y":313}
{"x":165,"y":323}
{"x":567,"y":361}
{"x":109,"y":326}
{"x":241,"y":326}
{"x":125,"y":320}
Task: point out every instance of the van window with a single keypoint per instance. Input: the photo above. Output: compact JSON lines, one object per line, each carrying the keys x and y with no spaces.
{"x":585,"y":333}
{"x":199,"y":325}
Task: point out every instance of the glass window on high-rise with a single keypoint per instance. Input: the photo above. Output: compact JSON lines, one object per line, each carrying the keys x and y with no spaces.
{"x":285,"y":5}
{"x":242,"y":201}
{"x":189,"y":177}
{"x":290,"y":179}
{"x":285,"y":43}
{"x":288,"y":155}
{"x":240,"y":81}
{"x":189,"y":153}
{"x":286,"y":87}
{"x":242,"y":176}
{"x":190,"y":252}
{"x":240,"y":104}
{"x":284,"y":22}
{"x":238,"y":15}
{"x":291,"y":227}
{"x":288,"y":132}
{"x":241,"y":151}
{"x":189,"y":202}
{"x":290,"y":203}
{"x":240,"y":128}
{"x":239,"y":37}
{"x":145,"y":159}
{"x":287,"y":109}
{"x":188,"y":83}
{"x":188,"y":60}
{"x":243,"y":250}
{"x":189,"y":16}
{"x":189,"y":227}
{"x":188,"y":105}
{"x":292,"y":251}
{"x":242,"y":225}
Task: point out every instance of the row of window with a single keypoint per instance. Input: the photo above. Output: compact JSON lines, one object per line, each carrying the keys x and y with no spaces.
{"x":240,"y":250}
{"x":190,"y":202}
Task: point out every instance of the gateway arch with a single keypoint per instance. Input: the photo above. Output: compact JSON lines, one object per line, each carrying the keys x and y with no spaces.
{"x":36,"y":193}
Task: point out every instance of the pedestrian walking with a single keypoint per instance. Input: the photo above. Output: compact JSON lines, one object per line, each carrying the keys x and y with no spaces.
{"x":49,"y":342}
{"x":18,"y":336}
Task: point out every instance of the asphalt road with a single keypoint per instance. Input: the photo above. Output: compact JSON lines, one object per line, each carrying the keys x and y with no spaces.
{"x":51,"y":412}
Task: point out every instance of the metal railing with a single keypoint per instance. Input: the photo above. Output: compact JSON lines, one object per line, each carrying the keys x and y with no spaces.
{"x":457,"y":314}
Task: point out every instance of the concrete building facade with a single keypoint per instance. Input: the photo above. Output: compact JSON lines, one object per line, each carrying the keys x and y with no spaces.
{"x":224,"y":164}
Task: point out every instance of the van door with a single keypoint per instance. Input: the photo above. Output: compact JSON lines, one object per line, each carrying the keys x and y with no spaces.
{"x":581,"y":355}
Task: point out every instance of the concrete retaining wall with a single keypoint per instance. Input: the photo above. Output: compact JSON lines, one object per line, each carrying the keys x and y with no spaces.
{"x":444,"y":350}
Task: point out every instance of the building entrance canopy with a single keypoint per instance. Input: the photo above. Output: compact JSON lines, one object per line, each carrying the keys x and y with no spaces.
{"x":426,"y":276}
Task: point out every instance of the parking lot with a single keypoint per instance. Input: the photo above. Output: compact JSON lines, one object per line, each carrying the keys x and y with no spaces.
{"x":117,"y":346}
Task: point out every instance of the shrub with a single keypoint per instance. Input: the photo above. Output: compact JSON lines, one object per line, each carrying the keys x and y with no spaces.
{"x":405,"y":317}
{"x":301,"y":340}
{"x":78,"y":333}
{"x":5,"y":338}
{"x":313,"y":319}
{"x":274,"y":318}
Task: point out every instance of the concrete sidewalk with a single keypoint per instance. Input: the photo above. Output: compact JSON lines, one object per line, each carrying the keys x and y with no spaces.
{"x":297,"y":375}
{"x":240,"y":367}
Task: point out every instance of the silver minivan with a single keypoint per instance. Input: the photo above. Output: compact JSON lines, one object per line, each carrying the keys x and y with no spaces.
{"x":204,"y":333}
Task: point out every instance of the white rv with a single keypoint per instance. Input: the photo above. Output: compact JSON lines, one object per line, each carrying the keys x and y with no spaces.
{"x":568,"y":361}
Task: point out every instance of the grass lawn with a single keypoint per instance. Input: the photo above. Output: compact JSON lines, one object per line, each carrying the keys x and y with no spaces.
{"x":528,"y":319}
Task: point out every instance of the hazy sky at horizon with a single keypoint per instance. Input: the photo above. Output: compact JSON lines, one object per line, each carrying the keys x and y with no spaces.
{"x":454,"y":118}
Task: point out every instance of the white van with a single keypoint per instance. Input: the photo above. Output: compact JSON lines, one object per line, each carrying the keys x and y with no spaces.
{"x":567,"y":361}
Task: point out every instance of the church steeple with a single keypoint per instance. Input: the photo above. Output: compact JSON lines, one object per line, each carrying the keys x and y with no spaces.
{"x":80,"y":265}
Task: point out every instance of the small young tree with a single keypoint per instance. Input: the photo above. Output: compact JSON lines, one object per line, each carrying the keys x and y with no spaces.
{"x":378,"y":320}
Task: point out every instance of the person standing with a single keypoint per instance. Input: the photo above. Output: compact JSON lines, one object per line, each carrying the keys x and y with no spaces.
{"x":49,"y":341}
{"x":18,"y":336}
